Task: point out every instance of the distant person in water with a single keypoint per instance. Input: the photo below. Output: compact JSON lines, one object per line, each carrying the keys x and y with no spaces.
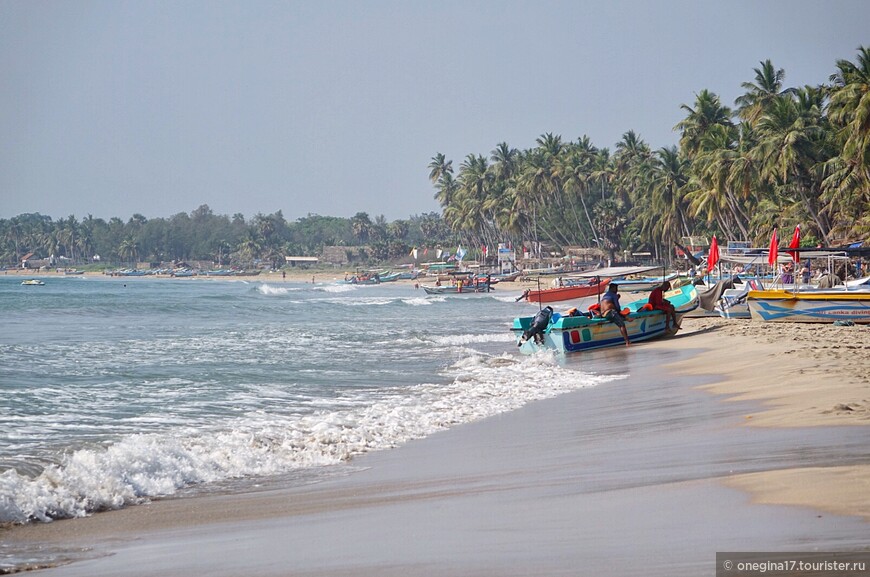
{"x":612,"y":311}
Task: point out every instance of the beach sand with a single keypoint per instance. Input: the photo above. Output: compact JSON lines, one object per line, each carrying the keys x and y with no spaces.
{"x":731,"y":436}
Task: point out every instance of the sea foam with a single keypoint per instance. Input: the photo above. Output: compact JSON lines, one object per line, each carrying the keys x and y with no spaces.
{"x":138,"y":467}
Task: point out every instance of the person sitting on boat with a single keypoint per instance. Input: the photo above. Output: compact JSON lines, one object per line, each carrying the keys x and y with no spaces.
{"x":611,"y":310}
{"x":539,"y":324}
{"x":658,"y":302}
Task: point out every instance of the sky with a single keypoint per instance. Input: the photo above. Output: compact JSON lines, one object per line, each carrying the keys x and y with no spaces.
{"x":334,"y":107}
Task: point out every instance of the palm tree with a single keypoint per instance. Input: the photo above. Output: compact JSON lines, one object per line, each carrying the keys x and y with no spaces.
{"x":847,"y":188}
{"x":789,"y":152}
{"x":361,"y":225}
{"x":708,"y":112}
{"x":761,"y":93}
{"x":663,"y":218}
{"x":128,"y":250}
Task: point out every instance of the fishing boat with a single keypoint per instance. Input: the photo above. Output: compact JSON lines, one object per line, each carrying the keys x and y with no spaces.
{"x":569,"y":334}
{"x":459,"y":289}
{"x":32,"y":282}
{"x":570,"y":289}
{"x":584,"y":284}
{"x":810,"y":305}
{"x":508,"y":277}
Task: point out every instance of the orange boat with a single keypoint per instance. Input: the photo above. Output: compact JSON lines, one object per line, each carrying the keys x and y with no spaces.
{"x":570,"y":289}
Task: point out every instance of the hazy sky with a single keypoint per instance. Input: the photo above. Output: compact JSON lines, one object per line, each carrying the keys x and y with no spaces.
{"x":112,"y":108}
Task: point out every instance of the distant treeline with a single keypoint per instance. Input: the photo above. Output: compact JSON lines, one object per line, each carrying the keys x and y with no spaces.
{"x":205,"y":236}
{"x":783,"y":156}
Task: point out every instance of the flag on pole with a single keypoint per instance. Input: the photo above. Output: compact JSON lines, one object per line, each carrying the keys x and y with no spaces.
{"x":426,"y":251}
{"x":438,"y":253}
{"x":460,"y":254}
{"x":795,"y":244}
{"x":414,"y":253}
{"x":713,"y":256}
{"x":773,"y":252}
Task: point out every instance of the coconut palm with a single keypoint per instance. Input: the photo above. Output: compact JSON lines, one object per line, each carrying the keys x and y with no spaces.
{"x":788,"y":151}
{"x":708,"y":112}
{"x":761,"y":93}
{"x":847,"y":188}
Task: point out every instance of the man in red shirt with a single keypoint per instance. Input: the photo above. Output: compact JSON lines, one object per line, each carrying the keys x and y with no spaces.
{"x":659,"y":302}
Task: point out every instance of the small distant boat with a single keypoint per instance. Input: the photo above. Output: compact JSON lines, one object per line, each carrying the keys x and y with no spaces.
{"x":581,"y":333}
{"x":460,"y":289}
{"x":509,"y":277}
{"x":32,"y":282}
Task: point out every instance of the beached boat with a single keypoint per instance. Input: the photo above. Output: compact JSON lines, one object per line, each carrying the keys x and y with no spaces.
{"x":508,"y":277}
{"x":584,"y":284}
{"x":810,"y":305}
{"x":459,"y":289}
{"x":571,"y":289}
{"x":390,"y":277}
{"x":32,"y":282}
{"x":580,"y":333}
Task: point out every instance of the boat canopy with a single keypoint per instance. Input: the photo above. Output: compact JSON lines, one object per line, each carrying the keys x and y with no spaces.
{"x":615,"y":271}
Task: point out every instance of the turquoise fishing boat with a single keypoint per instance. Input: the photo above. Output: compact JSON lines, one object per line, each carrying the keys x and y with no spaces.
{"x":570,"y":334}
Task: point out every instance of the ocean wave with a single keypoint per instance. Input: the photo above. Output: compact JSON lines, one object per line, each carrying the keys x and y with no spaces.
{"x":142,"y":466}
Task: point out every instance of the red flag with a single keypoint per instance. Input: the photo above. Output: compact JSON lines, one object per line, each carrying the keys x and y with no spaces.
{"x":795,"y":243}
{"x":713,"y":256}
{"x":773,"y":252}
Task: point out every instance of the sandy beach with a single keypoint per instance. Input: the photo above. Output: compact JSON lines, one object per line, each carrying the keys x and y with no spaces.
{"x":731,"y":436}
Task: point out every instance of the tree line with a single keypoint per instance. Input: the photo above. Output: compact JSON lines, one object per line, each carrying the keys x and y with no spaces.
{"x":781,"y":156}
{"x":203,"y":235}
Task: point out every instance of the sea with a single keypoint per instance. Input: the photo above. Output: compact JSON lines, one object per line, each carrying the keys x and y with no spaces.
{"x":116,"y":391}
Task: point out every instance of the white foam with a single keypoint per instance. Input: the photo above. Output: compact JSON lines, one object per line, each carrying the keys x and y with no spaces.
{"x":142,"y":466}
{"x":270,"y":290}
{"x":336,"y":288}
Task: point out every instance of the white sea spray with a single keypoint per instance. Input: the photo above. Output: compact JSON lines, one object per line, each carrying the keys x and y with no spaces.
{"x":141,"y":466}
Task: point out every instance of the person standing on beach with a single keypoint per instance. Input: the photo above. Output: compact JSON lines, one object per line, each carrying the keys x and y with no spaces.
{"x":611,"y":310}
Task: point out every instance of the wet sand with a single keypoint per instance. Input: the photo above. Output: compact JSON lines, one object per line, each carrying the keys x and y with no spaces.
{"x":728,"y":437}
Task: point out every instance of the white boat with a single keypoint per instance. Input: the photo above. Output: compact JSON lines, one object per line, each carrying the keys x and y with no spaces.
{"x":810,"y":305}
{"x":32,"y":282}
{"x":477,"y":289}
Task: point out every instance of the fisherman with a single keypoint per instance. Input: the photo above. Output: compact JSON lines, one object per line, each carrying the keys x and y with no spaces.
{"x":611,"y":310}
{"x":658,"y":302}
{"x":539,"y":324}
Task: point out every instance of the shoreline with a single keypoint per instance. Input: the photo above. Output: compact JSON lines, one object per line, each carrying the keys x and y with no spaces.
{"x":510,"y":485}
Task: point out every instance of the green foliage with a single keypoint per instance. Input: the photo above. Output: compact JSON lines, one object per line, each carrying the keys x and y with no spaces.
{"x":786,"y":156}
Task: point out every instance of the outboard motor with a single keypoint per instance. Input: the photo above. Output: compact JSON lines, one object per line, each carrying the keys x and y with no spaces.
{"x":539,"y":324}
